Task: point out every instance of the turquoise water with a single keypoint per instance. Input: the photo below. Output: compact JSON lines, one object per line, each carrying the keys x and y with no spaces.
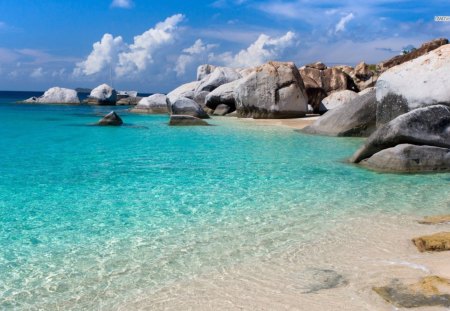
{"x":92,"y":217}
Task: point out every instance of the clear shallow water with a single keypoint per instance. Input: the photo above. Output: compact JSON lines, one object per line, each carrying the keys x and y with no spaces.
{"x":92,"y":217}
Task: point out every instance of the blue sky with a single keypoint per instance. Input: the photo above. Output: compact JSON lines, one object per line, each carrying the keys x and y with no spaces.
{"x":153,"y":46}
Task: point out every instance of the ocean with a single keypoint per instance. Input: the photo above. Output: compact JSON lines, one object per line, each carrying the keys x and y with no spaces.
{"x":96,"y":218}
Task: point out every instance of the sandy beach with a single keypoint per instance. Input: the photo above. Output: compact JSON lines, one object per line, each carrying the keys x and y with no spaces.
{"x":296,"y":123}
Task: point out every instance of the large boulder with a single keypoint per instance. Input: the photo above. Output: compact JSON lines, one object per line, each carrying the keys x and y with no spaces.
{"x":421,"y":82}
{"x":423,"y":126}
{"x":338,"y":99}
{"x":356,"y":118}
{"x":186,"y":120}
{"x":424,"y":49}
{"x":186,"y":106}
{"x":437,"y":242}
{"x":220,"y":76}
{"x":103,"y":95}
{"x":204,"y":70}
{"x":315,"y":95}
{"x":407,"y":158}
{"x":333,"y":79}
{"x":185,"y":90}
{"x":223,"y":95}
{"x":111,"y":119}
{"x":154,"y":104}
{"x":273,"y":90}
{"x":56,"y":95}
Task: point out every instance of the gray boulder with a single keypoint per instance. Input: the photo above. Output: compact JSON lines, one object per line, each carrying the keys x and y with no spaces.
{"x":339,"y":98}
{"x":56,"y":95}
{"x":220,"y":75}
{"x":154,"y":104}
{"x":423,"y":126}
{"x":356,"y":118}
{"x":421,"y":82}
{"x":410,"y":159}
{"x":223,"y":95}
{"x":204,"y":70}
{"x":273,"y":90}
{"x":111,"y":119}
{"x":221,"y":110}
{"x":184,"y":90}
{"x":186,"y":106}
{"x":103,"y":95}
{"x":185,"y":120}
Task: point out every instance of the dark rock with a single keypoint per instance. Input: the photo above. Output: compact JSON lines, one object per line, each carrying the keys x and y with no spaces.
{"x":315,"y":94}
{"x":406,"y":158}
{"x":185,"y":120}
{"x":111,"y":118}
{"x":423,"y":126}
{"x":356,"y":118}
{"x":186,"y":106}
{"x":223,"y":95}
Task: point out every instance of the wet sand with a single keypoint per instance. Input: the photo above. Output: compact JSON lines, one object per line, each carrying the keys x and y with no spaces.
{"x":365,"y":252}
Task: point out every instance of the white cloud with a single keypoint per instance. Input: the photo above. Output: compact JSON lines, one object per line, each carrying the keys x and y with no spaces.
{"x":37,"y":73}
{"x":340,"y":26}
{"x":124,"y":4}
{"x":265,"y":48}
{"x":196,"y":53}
{"x":126,"y":58}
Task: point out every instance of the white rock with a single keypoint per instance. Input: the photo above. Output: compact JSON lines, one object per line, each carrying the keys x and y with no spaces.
{"x":56,"y":95}
{"x":204,"y":70}
{"x":104,"y":94}
{"x":220,"y":75}
{"x":367,"y":90}
{"x":153,"y":104}
{"x":338,"y":98}
{"x":184,"y":90}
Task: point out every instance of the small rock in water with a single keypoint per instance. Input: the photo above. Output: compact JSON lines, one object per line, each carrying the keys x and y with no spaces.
{"x":429,"y":291}
{"x":314,"y":280}
{"x":436,"y":242}
{"x":186,"y":120}
{"x":434,"y":220}
{"x":111,"y":118}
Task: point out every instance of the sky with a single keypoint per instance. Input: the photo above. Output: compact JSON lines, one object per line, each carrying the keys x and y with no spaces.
{"x":154,"y":46}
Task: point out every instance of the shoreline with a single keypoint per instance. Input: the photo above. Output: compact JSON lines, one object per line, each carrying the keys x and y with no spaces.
{"x":295,"y":123}
{"x":383,"y":253}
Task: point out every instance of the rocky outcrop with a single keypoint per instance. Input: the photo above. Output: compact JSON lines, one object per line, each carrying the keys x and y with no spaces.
{"x":315,"y":95}
{"x":356,"y":118}
{"x":223,"y":95}
{"x":103,"y":95}
{"x":56,"y":95}
{"x":424,"y":126}
{"x":435,"y":242}
{"x":128,"y":101}
{"x":154,"y":104}
{"x":186,"y":106}
{"x":273,"y":90}
{"x":204,"y":70}
{"x":220,"y":76}
{"x":424,"y":49}
{"x":363,"y":76}
{"x":111,"y":119}
{"x":419,"y":83}
{"x":407,"y":158}
{"x":337,"y":99}
{"x":185,"y":120}
{"x":434,"y":220}
{"x":185,"y":90}
{"x":427,"y":292}
{"x":317,"y":65}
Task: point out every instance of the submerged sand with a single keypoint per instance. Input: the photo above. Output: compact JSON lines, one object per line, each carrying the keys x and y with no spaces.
{"x":297,"y":123}
{"x":364,"y":252}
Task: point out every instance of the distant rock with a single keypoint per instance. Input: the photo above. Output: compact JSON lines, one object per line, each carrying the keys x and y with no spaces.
{"x":435,"y":242}
{"x":356,"y":118}
{"x":128,"y":101}
{"x":418,"y":83}
{"x":111,"y":118}
{"x":315,"y":95}
{"x":186,"y":106}
{"x":427,"y":292}
{"x":273,"y":90}
{"x":204,"y":71}
{"x":338,"y":98}
{"x":185,"y":120}
{"x":423,"y":126}
{"x":424,"y":49}
{"x":407,"y":158}
{"x":56,"y":95}
{"x":103,"y":95}
{"x":223,"y":95}
{"x":220,"y":76}
{"x":154,"y":104}
{"x":221,"y":110}
{"x":184,"y":90}
{"x":317,"y":65}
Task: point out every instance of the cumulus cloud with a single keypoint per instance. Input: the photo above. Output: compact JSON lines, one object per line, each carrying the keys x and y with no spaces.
{"x":265,"y":48}
{"x":124,"y":4}
{"x":195,"y":53}
{"x":113,"y":52}
{"x":340,"y":26}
